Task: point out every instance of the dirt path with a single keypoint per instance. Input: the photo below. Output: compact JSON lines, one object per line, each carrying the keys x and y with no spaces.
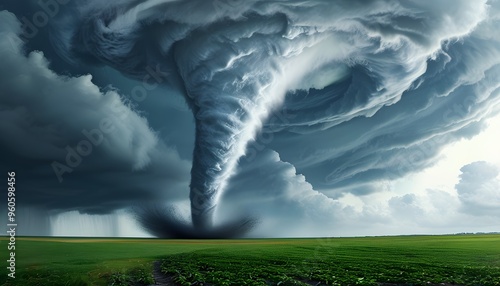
{"x":161,"y":278}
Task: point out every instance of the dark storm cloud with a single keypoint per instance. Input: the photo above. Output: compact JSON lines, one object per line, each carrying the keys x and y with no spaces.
{"x":450,"y":101}
{"x":235,"y":62}
{"x":75,"y":147}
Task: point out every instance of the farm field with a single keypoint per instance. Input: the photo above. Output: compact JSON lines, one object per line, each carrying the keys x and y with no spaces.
{"x":403,"y":260}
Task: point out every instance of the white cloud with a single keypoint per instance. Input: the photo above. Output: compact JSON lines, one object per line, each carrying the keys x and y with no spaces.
{"x":479,"y":189}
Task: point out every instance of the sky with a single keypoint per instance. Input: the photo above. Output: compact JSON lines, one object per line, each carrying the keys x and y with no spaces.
{"x":306,"y":118}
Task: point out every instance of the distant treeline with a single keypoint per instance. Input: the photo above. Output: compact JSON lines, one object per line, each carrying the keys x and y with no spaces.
{"x":477,"y":233}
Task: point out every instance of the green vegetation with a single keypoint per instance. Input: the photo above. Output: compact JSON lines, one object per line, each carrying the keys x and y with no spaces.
{"x":407,"y":260}
{"x":77,"y":261}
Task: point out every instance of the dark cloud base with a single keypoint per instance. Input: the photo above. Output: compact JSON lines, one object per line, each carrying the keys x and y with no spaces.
{"x":164,"y":222}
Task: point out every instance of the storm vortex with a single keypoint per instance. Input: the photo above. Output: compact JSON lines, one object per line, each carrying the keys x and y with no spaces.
{"x":235,"y":61}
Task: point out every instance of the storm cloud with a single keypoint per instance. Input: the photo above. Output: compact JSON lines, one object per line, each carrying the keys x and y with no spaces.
{"x":58,"y":131}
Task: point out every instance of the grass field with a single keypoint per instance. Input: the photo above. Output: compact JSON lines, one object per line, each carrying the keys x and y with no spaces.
{"x":406,"y":260}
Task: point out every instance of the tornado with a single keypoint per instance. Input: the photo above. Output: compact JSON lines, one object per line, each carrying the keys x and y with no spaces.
{"x":229,"y":79}
{"x":231,"y":86}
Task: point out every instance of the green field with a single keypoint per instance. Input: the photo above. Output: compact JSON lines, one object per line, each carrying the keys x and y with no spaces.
{"x":406,"y":260}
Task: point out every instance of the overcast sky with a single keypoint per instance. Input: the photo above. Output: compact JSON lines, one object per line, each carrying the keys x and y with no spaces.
{"x":318,"y":118}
